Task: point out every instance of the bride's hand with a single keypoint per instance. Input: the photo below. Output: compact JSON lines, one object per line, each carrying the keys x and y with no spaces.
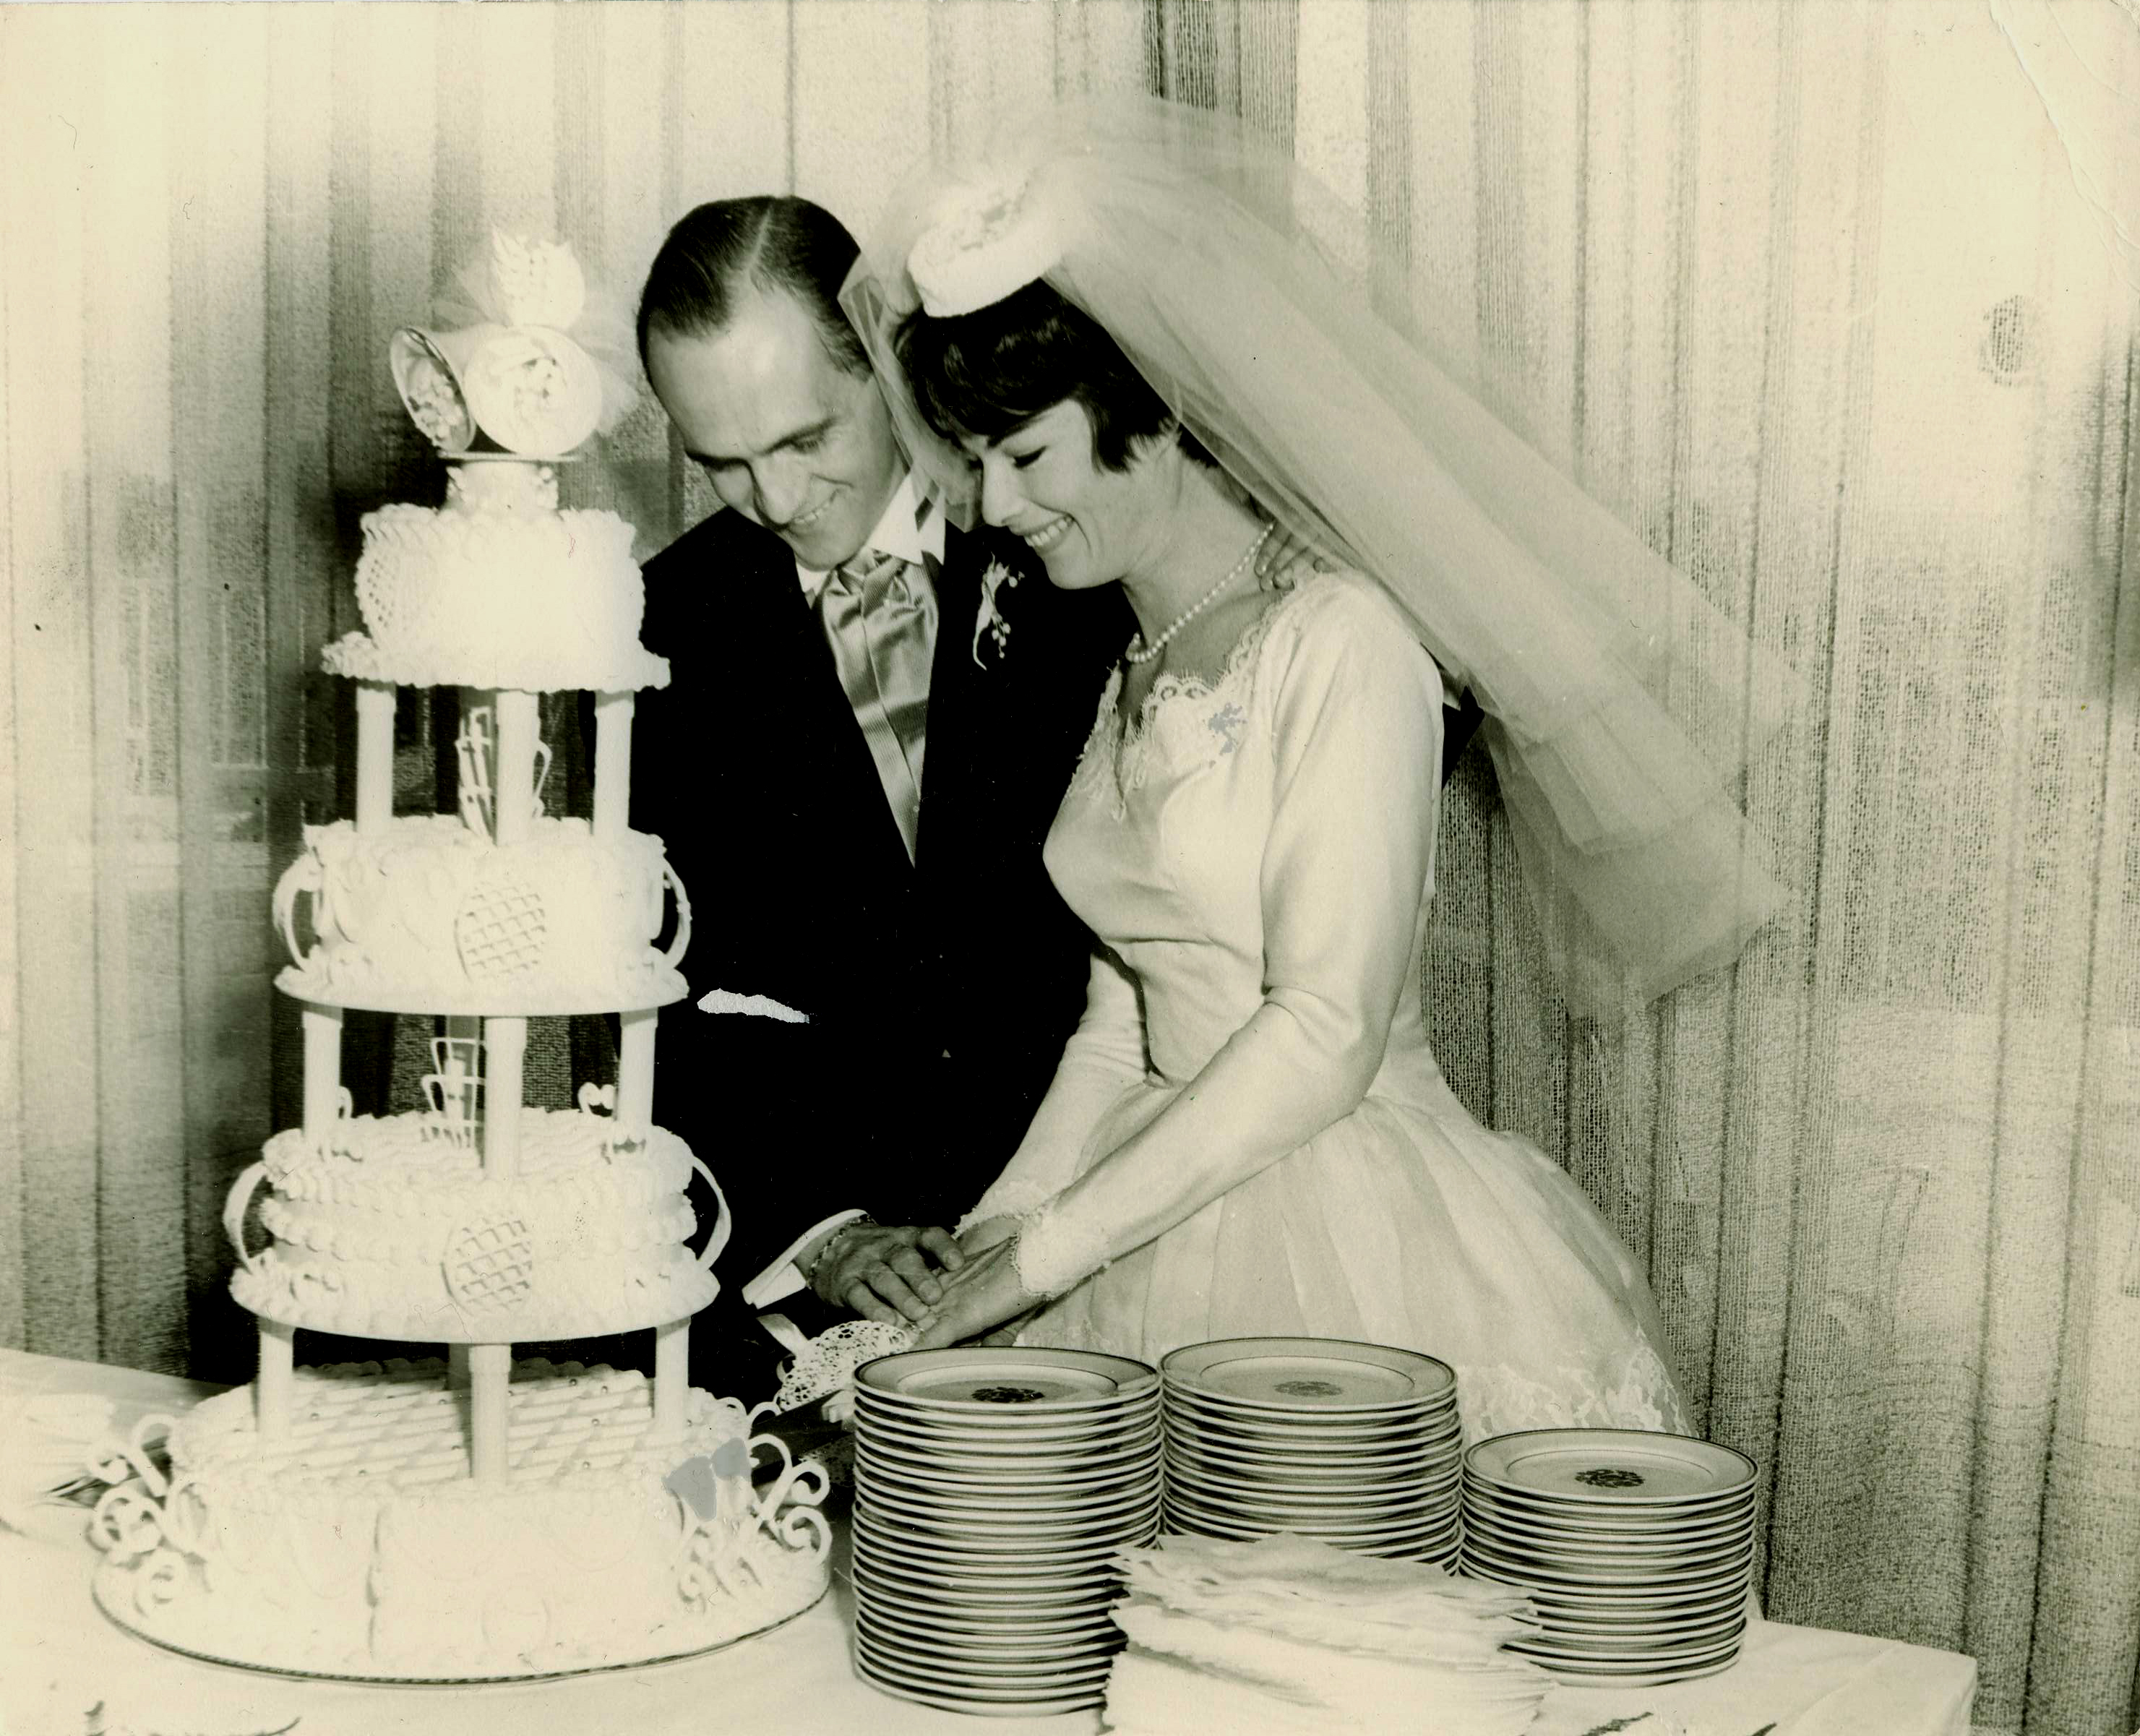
{"x":986,"y":1234}
{"x":983,"y":1294}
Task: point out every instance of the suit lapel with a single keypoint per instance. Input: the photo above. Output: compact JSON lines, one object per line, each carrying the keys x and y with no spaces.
{"x":946,"y":772}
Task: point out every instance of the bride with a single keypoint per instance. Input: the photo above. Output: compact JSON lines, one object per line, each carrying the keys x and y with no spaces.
{"x":1102,"y":346}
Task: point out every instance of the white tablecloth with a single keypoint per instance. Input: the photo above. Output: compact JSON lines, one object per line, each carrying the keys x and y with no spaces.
{"x":59,"y":1656}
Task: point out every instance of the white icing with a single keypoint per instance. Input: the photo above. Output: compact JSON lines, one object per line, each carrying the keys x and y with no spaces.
{"x":430,"y":916}
{"x":498,"y":590}
{"x":361,"y":1545}
{"x":390,"y":1228}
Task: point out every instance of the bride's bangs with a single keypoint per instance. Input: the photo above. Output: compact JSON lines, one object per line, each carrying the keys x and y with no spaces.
{"x":981,"y":374}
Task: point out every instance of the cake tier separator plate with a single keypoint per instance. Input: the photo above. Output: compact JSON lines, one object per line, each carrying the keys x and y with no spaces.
{"x":1316,"y":1374}
{"x":506,"y":1000}
{"x":1610,"y":1466}
{"x":117,"y":1602}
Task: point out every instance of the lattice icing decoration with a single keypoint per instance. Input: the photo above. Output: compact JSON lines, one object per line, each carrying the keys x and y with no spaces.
{"x":502,"y":928}
{"x":491,"y":1265}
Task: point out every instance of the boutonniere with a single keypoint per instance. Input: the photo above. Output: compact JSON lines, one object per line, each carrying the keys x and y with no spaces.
{"x":988,"y":619}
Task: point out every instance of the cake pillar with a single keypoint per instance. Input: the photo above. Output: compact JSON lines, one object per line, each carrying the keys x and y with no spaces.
{"x":274,"y":1389}
{"x":634,"y":1073}
{"x":512,"y":782}
{"x":374,"y":756}
{"x":490,"y":1368}
{"x":672,"y":1377}
{"x":613,"y":714}
{"x":322,"y":1098}
{"x":504,"y":1057}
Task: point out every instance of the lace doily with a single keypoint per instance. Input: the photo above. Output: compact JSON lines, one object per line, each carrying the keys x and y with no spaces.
{"x":824,"y":1368}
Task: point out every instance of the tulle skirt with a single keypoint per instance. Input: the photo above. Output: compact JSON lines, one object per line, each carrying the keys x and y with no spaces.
{"x":1405,"y":1223}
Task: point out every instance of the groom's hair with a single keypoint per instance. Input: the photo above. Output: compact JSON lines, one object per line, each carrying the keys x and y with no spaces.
{"x":771,"y":242}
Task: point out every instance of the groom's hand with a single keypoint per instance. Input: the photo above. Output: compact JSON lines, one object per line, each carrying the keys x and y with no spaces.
{"x":883,"y":1271}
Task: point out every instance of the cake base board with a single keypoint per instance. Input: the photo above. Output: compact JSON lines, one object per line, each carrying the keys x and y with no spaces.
{"x":112,"y":1590}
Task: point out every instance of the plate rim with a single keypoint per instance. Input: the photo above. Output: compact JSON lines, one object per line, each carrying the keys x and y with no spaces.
{"x":1747,"y":1477}
{"x":1130,"y":1382}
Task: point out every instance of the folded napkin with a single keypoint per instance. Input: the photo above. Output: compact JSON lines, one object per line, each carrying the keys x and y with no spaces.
{"x":50,"y":1444}
{"x":1290,"y":1634}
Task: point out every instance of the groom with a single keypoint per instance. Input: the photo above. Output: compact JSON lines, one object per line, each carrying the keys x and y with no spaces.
{"x":871,"y":717}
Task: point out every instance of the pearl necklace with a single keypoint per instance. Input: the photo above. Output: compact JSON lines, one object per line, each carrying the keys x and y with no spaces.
{"x":1153,"y":647}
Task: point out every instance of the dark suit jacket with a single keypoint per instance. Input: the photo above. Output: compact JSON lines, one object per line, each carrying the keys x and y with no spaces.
{"x":940,"y":992}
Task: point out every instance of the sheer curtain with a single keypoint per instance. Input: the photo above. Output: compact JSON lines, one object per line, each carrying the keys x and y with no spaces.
{"x":210,"y":220}
{"x":1835,"y":302}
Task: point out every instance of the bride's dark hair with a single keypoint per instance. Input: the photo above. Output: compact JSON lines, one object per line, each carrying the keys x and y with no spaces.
{"x":984,"y":373}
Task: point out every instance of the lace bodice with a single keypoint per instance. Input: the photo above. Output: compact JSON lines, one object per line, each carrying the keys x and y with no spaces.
{"x":1182,"y":719}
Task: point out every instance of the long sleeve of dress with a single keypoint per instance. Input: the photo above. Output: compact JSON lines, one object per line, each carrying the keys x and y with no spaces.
{"x":1353,"y":711}
{"x":1104,"y":1053}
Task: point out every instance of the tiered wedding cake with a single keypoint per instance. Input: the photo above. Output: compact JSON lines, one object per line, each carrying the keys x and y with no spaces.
{"x":470,"y":1518}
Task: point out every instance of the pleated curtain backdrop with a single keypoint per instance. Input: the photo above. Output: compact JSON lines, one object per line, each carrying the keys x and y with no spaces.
{"x":1834,"y":302}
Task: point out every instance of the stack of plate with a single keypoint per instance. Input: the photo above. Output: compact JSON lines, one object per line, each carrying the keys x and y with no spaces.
{"x":993,"y":1490}
{"x":1355,"y":1444}
{"x":1637,"y":1548}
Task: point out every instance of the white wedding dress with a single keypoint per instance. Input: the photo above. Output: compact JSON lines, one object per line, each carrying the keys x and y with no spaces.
{"x":1248,"y":1134}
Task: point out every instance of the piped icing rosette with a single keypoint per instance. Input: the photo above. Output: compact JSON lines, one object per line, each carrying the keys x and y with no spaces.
{"x":519,"y":369}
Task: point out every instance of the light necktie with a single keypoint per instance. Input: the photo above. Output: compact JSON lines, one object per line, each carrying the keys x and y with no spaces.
{"x":879,"y":618}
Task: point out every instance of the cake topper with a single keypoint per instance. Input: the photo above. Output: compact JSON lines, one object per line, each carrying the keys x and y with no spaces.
{"x":522,"y":355}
